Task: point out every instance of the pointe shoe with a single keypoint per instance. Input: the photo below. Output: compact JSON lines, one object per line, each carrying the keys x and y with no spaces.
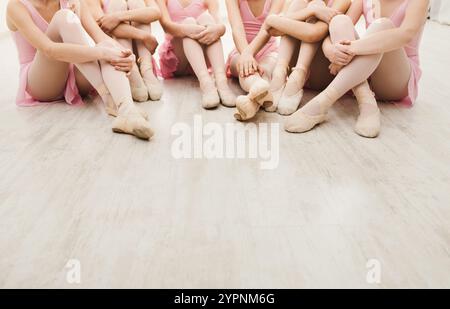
{"x":289,"y":103}
{"x":130,"y":121}
{"x":246,"y":108}
{"x":368,"y":124}
{"x":299,"y":122}
{"x":276,"y":95}
{"x":154,"y":87}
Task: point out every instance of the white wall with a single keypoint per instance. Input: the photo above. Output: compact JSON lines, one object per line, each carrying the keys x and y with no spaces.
{"x":3,"y":4}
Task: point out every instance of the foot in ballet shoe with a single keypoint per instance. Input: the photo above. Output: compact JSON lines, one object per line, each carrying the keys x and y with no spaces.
{"x":259,"y":91}
{"x":130,"y":121}
{"x":246,"y":108}
{"x":137,"y":85}
{"x":276,"y":99}
{"x":312,"y":114}
{"x":153,"y":85}
{"x":369,"y":124}
{"x":293,"y":92}
{"x":139,"y":94}
{"x":289,"y":104}
{"x":227,"y":96}
{"x":300,"y":122}
{"x":210,"y":96}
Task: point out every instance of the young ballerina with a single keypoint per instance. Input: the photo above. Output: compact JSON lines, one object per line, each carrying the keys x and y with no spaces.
{"x":72,"y":52}
{"x":193,"y":30}
{"x":130,"y":22}
{"x":253,"y":69}
{"x":388,"y":54}
{"x":303,"y":28}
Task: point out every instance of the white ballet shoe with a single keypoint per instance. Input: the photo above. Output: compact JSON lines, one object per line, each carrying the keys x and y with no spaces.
{"x":227,"y":97}
{"x":246,"y":108}
{"x":130,"y":121}
{"x":289,"y":104}
{"x":154,"y":87}
{"x":299,"y":122}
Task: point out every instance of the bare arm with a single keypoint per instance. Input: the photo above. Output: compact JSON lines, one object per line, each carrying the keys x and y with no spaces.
{"x":175,"y":29}
{"x":303,"y":30}
{"x":145,"y":15}
{"x":237,"y":25}
{"x":389,"y":40}
{"x":20,"y":18}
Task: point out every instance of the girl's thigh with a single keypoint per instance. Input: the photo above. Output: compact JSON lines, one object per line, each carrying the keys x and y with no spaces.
{"x":390,"y":80}
{"x":319,"y":73}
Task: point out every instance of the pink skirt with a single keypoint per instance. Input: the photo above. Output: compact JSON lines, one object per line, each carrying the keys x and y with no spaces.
{"x":168,"y":60}
{"x":71,"y":93}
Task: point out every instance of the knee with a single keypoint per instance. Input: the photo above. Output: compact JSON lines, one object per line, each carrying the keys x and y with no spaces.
{"x":316,"y":2}
{"x":189,"y":20}
{"x":340,"y":22}
{"x":380,"y":24}
{"x":205,"y":19}
{"x":117,"y":6}
{"x":136,"y":4}
{"x":296,"y":5}
{"x":66,"y":17}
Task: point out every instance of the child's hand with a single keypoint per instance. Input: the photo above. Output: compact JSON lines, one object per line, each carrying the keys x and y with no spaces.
{"x":192,"y":30}
{"x":211,"y":34}
{"x":340,"y":53}
{"x":247,"y":65}
{"x":150,"y":43}
{"x":335,"y":68}
{"x":109,"y":22}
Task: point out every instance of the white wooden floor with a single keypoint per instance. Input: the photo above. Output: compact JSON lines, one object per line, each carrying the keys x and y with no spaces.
{"x":136,"y":217}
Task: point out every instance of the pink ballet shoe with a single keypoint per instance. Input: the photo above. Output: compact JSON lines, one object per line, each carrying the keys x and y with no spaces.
{"x":259,"y":91}
{"x":246,"y":108}
{"x":227,"y":97}
{"x":369,"y":125}
{"x":130,"y":121}
{"x":154,"y":87}
{"x":275,"y":101}
{"x":289,"y":103}
{"x":300,"y":122}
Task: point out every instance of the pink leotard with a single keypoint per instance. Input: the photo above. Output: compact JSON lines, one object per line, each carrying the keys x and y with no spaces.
{"x":252,"y":25}
{"x":168,"y":61}
{"x":26,"y":55}
{"x":411,"y":49}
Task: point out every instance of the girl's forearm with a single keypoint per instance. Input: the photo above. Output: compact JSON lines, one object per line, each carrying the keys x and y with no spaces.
{"x":145,"y":15}
{"x":258,"y":42}
{"x":300,"y":15}
{"x":381,"y":42}
{"x":125,"y":31}
{"x":307,"y":32}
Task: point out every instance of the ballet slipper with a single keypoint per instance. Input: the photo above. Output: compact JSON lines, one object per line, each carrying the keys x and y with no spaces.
{"x":246,"y":108}
{"x":129,"y":120}
{"x":289,"y":103}
{"x":110,"y":106}
{"x":227,"y":97}
{"x":276,"y":93}
{"x":210,"y":96}
{"x":137,"y":85}
{"x":259,"y":90}
{"x":153,"y":84}
{"x":368,"y":124}
{"x":301,"y":121}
